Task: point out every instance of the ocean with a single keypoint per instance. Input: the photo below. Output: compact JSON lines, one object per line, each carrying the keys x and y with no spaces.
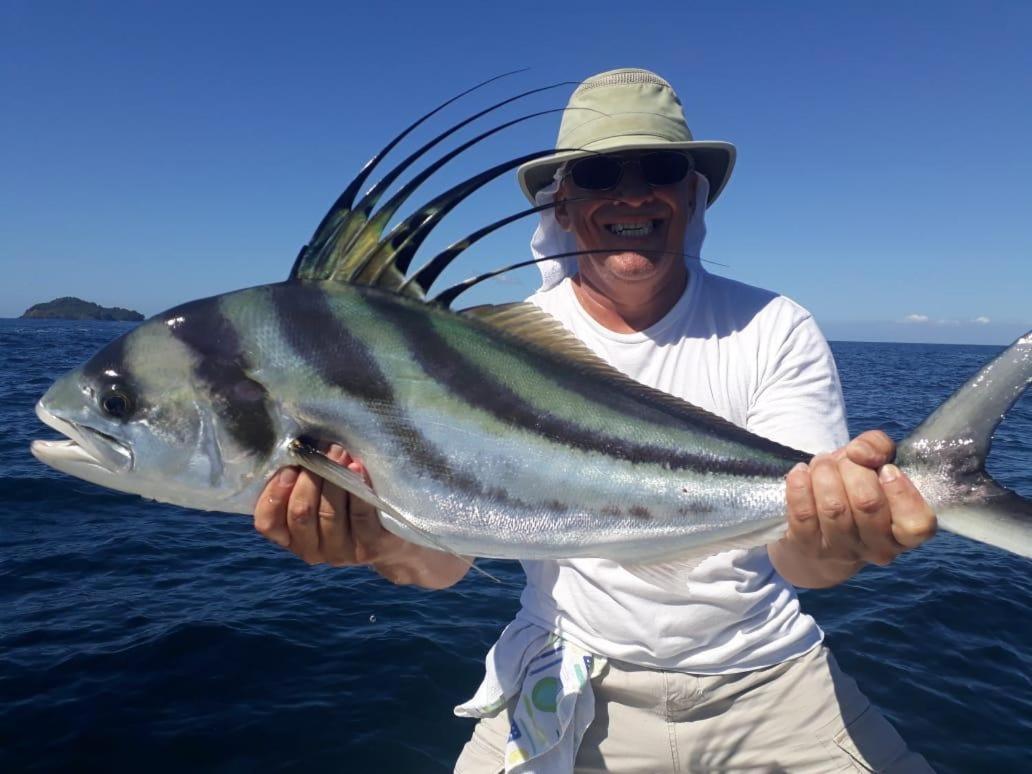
{"x":141,"y":636}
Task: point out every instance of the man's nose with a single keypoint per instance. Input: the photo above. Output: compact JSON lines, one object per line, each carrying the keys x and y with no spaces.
{"x":632,"y":185}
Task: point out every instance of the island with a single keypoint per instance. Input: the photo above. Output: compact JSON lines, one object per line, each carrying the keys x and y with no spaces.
{"x":71,"y":308}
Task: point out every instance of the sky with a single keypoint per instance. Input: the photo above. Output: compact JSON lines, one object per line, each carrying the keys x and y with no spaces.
{"x":156,"y":152}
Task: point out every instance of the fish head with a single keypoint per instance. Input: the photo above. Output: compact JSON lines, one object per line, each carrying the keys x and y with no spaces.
{"x":164,"y":412}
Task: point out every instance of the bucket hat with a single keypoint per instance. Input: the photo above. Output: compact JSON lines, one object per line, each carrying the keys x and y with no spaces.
{"x":622,"y":110}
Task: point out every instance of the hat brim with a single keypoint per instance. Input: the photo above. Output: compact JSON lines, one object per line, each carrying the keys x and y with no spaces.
{"x":713,"y":159}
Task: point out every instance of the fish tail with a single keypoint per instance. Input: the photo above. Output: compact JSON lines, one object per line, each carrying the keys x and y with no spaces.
{"x":946,"y":455}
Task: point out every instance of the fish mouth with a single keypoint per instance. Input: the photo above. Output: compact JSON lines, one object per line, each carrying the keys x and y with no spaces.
{"x":86,"y":452}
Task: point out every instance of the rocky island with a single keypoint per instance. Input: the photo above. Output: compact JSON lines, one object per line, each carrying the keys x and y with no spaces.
{"x":71,"y":308}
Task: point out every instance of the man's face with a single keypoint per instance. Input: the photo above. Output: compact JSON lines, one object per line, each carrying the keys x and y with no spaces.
{"x":640,"y":226}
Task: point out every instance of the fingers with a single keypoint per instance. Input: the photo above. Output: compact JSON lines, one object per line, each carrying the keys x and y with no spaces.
{"x":838,"y":532}
{"x":871,"y":514}
{"x":913,"y":521}
{"x":335,"y":540}
{"x":803,"y":527}
{"x":842,"y":513}
{"x":302,"y":517}
{"x":270,"y":514}
{"x":320,"y":522}
{"x":871,"y":449}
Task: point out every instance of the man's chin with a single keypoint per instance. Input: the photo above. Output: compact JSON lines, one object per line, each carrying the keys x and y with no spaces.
{"x":631,"y":265}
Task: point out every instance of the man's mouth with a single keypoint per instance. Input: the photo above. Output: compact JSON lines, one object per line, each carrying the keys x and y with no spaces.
{"x":633,"y":230}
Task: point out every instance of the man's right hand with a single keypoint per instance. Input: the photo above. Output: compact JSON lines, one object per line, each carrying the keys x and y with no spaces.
{"x":321,"y":523}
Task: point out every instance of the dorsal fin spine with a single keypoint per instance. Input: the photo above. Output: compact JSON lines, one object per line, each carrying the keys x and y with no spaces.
{"x":342,"y":225}
{"x":364,"y":242}
{"x":343,"y":204}
{"x":449,"y":294}
{"x":397,"y":249}
{"x":431,"y":270}
{"x":374,"y":194}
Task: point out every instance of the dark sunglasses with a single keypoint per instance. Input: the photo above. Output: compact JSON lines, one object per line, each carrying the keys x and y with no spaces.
{"x":658,"y":168}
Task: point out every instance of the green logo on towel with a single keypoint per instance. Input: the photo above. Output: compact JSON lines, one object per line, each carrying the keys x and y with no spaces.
{"x":545,"y":694}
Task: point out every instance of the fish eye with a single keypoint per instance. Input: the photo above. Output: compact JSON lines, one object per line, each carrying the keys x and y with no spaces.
{"x":117,"y":404}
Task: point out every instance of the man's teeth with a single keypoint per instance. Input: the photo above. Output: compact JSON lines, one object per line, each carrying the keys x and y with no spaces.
{"x":630,"y":229}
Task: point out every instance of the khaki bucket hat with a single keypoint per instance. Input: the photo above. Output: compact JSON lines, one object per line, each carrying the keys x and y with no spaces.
{"x":621,"y":110}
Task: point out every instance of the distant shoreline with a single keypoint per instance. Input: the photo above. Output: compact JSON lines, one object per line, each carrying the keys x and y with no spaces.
{"x":63,"y":319}
{"x":72,"y":308}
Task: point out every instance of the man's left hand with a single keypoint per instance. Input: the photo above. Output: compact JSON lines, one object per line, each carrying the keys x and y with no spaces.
{"x":846,"y":509}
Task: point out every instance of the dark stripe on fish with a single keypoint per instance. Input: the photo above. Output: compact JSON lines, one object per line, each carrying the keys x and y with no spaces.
{"x":223,"y":368}
{"x":344,"y":361}
{"x":483,"y":390}
{"x":322,"y":340}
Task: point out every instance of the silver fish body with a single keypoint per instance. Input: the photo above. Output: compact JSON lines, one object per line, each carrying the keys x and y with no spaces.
{"x":490,"y":432}
{"x":492,"y":446}
{"x":475,"y":440}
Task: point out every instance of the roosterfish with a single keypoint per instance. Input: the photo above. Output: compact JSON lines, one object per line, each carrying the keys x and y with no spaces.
{"x":488,"y":431}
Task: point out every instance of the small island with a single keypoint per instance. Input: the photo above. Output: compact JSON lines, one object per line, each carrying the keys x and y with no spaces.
{"x":71,"y":308}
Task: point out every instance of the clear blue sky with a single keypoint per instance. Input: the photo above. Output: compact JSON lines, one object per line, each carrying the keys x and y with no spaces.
{"x":155,"y":152}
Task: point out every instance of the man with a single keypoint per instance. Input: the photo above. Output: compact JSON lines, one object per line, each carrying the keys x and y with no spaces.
{"x":603,"y":669}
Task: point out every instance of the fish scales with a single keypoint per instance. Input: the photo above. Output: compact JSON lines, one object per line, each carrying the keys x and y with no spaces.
{"x":331,"y":356}
{"x":543,"y":393}
{"x":365,"y":362}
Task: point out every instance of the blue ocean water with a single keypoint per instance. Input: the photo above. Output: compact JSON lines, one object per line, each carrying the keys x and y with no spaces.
{"x":135,"y":635}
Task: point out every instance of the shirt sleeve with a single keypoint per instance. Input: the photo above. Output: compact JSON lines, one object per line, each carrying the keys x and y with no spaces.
{"x":798,"y":398}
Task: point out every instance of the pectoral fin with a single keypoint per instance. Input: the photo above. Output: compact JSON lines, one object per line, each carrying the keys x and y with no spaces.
{"x":311,"y":459}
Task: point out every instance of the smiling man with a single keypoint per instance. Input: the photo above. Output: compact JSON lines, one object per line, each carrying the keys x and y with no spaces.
{"x":602,"y":669}
{"x":634,"y":286}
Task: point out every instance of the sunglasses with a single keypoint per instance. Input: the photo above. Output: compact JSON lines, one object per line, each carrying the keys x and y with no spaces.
{"x":603,"y":173}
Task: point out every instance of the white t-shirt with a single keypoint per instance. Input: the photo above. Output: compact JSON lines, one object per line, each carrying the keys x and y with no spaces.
{"x":759,"y":360}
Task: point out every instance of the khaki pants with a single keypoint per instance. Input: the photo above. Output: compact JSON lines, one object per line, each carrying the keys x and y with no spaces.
{"x":804,"y":715}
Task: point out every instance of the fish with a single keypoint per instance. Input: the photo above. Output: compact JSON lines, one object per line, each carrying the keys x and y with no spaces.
{"x":489,"y":431}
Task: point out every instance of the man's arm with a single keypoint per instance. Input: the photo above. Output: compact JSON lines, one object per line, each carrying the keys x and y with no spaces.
{"x":321,"y":523}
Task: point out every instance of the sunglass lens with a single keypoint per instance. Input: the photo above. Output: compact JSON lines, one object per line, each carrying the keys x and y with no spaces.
{"x":596,"y":173}
{"x":665,"y":167}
